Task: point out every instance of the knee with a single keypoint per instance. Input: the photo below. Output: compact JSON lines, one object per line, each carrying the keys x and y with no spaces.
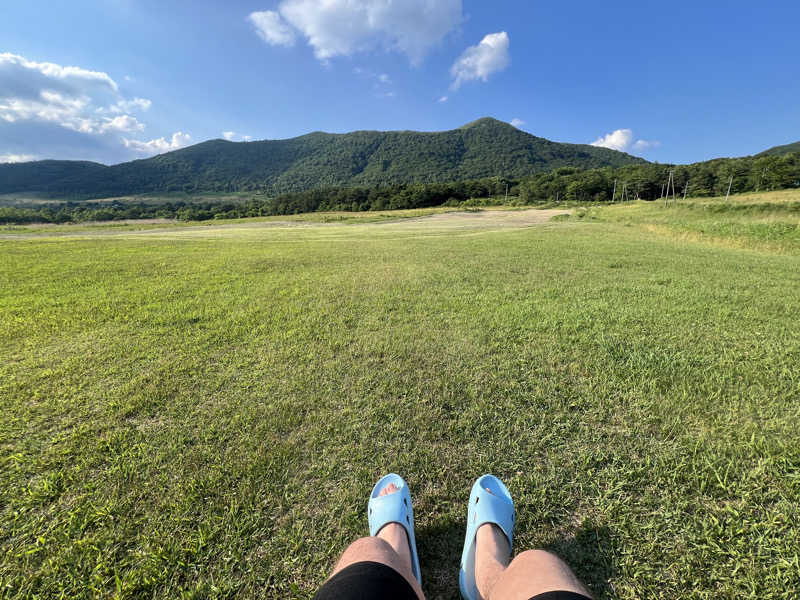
{"x":536,"y":559}
{"x":367,"y":548}
{"x":547,"y":571}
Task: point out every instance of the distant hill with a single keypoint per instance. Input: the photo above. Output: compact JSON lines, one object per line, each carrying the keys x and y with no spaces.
{"x":785,"y":149}
{"x":34,"y":176}
{"x":483,"y":148}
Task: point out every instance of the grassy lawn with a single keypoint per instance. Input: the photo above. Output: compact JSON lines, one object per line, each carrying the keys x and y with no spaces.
{"x":201,"y":412}
{"x":768,"y":221}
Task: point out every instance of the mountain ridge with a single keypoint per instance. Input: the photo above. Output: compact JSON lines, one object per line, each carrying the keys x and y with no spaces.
{"x":782,"y":149}
{"x":482,"y":148}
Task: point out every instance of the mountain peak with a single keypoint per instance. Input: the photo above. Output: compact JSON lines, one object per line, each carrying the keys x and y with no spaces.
{"x":485,"y":122}
{"x":484,"y":148}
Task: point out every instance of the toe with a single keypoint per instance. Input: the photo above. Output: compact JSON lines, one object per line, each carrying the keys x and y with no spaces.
{"x":389,"y":489}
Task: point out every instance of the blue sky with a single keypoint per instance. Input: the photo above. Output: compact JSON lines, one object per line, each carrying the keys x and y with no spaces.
{"x":114,"y":80}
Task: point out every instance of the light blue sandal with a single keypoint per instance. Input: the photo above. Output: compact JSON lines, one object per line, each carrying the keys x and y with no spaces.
{"x":394,"y":508}
{"x":496,"y":507}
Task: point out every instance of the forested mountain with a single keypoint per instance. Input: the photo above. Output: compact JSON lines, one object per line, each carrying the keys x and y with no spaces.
{"x":565,"y":184}
{"x":484,"y":148}
{"x":785,"y":149}
{"x":35,"y":176}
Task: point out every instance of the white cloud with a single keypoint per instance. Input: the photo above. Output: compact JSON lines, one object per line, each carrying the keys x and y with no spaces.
{"x":443,"y":99}
{"x":16,"y":158}
{"x":126,"y":106}
{"x":620,"y":140}
{"x":623,"y":140}
{"x":56,"y":72}
{"x":344,"y":27}
{"x":50,"y":110}
{"x":50,"y":106}
{"x":481,"y":61}
{"x":232,"y":135}
{"x":384,"y":78}
{"x":517,"y":122}
{"x":124,"y":123}
{"x":272,"y":28}
{"x":69,"y":113}
{"x":157,"y":146}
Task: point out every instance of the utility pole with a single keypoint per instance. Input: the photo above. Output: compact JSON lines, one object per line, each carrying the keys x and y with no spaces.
{"x":670,"y":182}
{"x":760,"y":179}
{"x":730,"y":183}
{"x":685,"y":189}
{"x":672,"y":179}
{"x":614,"y":193}
{"x":506,"y":193}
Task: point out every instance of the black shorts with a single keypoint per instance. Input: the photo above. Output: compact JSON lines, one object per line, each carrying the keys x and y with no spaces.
{"x":371,"y":580}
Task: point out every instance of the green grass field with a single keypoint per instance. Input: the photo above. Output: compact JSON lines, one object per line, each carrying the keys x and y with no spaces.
{"x":201,"y":412}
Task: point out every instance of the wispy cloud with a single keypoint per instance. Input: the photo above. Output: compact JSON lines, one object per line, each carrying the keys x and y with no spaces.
{"x":381,"y":82}
{"x":518,"y":123}
{"x":232,"y":135}
{"x":645,"y":145}
{"x":481,"y":61}
{"x":16,"y":158}
{"x":443,"y":99}
{"x":159,"y":145}
{"x":271,"y":27}
{"x":68,"y":75}
{"x":127,"y":106}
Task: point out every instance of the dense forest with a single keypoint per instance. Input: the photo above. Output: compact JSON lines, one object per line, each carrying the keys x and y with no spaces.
{"x":567,"y":184}
{"x":484,"y":148}
{"x":648,"y":182}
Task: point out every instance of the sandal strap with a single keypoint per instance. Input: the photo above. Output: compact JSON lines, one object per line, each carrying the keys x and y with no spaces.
{"x":492,"y":509}
{"x":394,"y":508}
{"x":391,"y":508}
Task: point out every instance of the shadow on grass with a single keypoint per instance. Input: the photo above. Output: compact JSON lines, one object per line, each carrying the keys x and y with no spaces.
{"x":589,"y":553}
{"x":439,"y":548}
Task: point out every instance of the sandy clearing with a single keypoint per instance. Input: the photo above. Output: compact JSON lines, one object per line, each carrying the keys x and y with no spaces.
{"x":487,"y":218}
{"x":483,"y":220}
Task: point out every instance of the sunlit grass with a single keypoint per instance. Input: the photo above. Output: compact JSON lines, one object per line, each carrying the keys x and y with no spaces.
{"x":768,"y":221}
{"x":202,"y":411}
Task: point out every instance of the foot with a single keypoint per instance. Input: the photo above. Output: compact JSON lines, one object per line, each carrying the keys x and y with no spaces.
{"x":395,"y":534}
{"x":492,"y":556}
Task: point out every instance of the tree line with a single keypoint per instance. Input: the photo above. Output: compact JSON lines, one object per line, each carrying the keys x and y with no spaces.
{"x":648,"y":182}
{"x":566,"y":184}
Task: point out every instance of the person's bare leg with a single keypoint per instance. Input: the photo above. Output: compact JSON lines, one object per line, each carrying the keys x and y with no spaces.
{"x":492,"y":555}
{"x":390,"y":547}
{"x":530,"y":573}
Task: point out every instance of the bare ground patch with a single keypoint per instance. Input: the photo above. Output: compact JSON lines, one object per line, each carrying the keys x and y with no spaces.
{"x":490,"y":218}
